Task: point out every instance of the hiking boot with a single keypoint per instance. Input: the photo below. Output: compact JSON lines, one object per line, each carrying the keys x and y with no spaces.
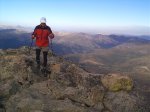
{"x":45,"y":71}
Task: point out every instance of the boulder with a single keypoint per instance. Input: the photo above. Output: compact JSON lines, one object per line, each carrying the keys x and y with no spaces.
{"x":117,"y":82}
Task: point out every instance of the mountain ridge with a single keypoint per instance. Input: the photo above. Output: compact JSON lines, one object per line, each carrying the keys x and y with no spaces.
{"x":68,"y":43}
{"x":68,"y":88}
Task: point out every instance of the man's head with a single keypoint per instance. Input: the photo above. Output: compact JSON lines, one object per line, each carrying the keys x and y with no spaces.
{"x":43,"y":20}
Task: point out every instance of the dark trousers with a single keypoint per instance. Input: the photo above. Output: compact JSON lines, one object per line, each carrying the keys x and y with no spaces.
{"x":38,"y":51}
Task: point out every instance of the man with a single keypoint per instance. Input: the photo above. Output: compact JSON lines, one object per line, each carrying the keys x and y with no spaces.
{"x":42,"y":33}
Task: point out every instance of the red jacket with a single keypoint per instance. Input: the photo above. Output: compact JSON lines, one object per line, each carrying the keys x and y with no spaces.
{"x":41,"y":33}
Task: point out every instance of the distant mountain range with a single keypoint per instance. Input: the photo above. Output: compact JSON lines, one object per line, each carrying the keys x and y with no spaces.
{"x":69,"y":43}
{"x":12,"y":38}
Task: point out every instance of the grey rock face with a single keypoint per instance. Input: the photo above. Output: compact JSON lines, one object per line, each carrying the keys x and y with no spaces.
{"x":68,"y":88}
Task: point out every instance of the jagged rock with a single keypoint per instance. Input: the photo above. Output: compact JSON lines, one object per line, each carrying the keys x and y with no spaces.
{"x":39,"y":97}
{"x":68,"y":88}
{"x":117,"y":82}
{"x":122,"y":102}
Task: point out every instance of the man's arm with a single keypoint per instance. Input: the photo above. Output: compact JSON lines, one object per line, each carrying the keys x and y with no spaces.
{"x":51,"y":34}
{"x":34,"y":33}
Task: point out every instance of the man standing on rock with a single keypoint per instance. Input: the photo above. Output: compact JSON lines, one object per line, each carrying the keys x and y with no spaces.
{"x":42,"y":33}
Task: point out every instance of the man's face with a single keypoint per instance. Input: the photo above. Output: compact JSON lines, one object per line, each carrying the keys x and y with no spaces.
{"x":43,"y":24}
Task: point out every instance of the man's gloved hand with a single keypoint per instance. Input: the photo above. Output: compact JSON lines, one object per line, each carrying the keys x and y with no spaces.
{"x":33,"y":36}
{"x":51,"y":35}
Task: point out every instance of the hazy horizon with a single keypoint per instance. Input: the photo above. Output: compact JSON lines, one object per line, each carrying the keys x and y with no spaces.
{"x":104,"y":31}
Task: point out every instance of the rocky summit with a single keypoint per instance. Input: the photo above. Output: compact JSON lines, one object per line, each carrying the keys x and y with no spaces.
{"x":67,"y":87}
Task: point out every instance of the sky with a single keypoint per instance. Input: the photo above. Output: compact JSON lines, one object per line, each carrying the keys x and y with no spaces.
{"x":93,"y":16}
